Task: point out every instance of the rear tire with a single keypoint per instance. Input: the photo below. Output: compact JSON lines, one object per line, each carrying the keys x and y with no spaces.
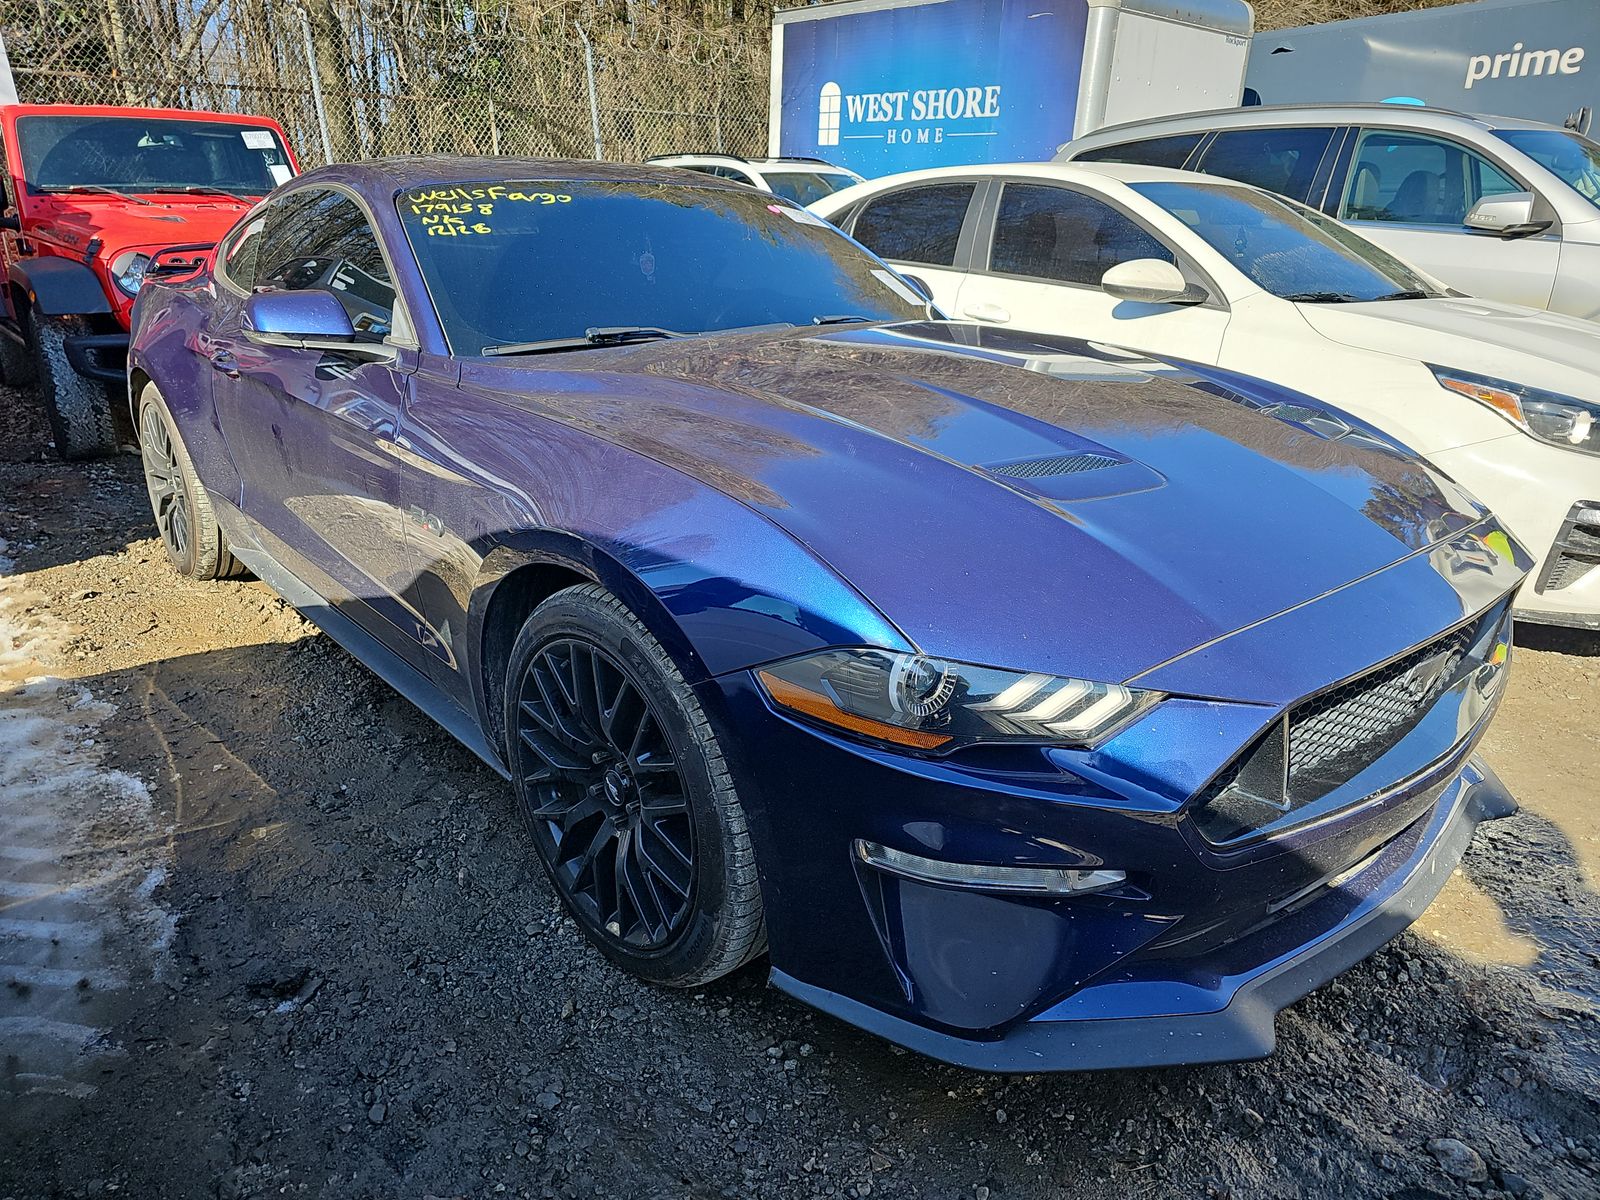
{"x":627,"y":794}
{"x":16,"y":359}
{"x":79,"y":409}
{"x":193,"y":540}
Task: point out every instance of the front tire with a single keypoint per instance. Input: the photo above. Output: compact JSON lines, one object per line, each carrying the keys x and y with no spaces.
{"x":627,"y":794}
{"x":193,"y":540}
{"x":79,"y":409}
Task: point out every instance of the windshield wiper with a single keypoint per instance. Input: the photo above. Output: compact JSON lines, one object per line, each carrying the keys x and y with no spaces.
{"x":842,"y":319}
{"x":1322,"y":298}
{"x":190,"y":189}
{"x":99,"y":188}
{"x":1410,"y":295}
{"x":606,"y":335}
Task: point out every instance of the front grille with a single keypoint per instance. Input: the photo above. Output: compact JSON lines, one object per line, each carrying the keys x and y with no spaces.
{"x":1576,"y":551}
{"x":1066,"y":464}
{"x":1356,"y":722}
{"x":1322,"y":743}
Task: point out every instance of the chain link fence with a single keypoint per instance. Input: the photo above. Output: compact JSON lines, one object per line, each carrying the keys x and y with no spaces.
{"x":360,"y":78}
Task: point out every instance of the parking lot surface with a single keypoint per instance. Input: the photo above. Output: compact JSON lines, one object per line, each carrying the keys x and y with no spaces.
{"x":266,"y":930}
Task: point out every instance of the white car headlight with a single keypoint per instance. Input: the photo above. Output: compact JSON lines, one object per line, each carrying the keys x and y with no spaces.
{"x":1551,"y":417}
{"x":914,"y":702}
{"x":128,"y":270}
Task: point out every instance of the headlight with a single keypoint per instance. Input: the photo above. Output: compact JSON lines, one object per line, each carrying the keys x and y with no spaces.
{"x":1549,"y":416}
{"x":921,"y":703}
{"x":128,"y":270}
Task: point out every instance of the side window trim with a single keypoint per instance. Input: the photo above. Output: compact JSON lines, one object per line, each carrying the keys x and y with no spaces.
{"x":1322,"y":183}
{"x":977,"y":231}
{"x":402,"y":330}
{"x":1333,"y":187}
{"x":231,"y":239}
{"x":980,"y":263}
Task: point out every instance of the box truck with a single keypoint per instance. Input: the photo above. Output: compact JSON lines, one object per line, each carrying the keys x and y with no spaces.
{"x":1538,"y":59}
{"x":893,"y":85}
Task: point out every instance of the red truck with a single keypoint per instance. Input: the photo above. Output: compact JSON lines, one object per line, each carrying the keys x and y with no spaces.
{"x":91,"y":194}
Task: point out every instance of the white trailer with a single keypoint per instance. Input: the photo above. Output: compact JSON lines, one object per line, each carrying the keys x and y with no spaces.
{"x":895,"y":85}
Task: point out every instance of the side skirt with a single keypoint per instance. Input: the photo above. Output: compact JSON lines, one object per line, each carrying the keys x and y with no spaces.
{"x":367,"y":650}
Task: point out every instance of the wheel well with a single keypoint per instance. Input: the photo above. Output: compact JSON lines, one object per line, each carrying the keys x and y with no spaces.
{"x":513,"y":601}
{"x":136,"y":384}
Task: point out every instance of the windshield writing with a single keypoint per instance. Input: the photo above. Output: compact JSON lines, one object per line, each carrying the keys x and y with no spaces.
{"x":514,"y":262}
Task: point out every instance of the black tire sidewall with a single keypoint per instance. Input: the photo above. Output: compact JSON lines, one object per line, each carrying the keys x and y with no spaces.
{"x":581,"y":615}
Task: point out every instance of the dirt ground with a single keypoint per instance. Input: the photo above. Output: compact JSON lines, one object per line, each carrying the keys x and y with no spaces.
{"x":266,"y":930}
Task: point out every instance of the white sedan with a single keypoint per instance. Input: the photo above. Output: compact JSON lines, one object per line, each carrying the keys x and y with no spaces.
{"x":1182,"y":266}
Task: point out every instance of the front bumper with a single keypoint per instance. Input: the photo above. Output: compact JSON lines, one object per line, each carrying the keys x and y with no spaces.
{"x":1537,"y":490}
{"x":1224,"y":1007}
{"x":99,"y":356}
{"x":1208,"y":933}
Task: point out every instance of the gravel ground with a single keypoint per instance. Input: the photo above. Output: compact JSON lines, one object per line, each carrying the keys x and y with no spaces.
{"x":297,"y":946}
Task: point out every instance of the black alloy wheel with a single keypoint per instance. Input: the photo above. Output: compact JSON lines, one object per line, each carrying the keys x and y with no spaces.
{"x":164,"y":480}
{"x":612,"y":806}
{"x":628,"y":794}
{"x":188,"y":526}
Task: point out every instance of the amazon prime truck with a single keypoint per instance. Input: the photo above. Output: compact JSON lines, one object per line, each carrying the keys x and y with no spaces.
{"x":894,"y":85}
{"x":1536,"y":59}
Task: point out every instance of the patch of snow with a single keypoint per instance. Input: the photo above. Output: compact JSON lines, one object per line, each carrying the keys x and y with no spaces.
{"x":84,"y":856}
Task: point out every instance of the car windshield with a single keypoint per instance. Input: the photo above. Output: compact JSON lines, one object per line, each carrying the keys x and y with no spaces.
{"x":518,"y":262}
{"x":1571,"y":156}
{"x":1285,"y":248}
{"x":805,"y":187}
{"x":146,"y":154}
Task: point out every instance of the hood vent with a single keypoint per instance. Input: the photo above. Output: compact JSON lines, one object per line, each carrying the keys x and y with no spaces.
{"x":1064,"y":464}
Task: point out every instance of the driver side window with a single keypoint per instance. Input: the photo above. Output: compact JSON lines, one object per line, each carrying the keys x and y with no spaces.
{"x":320,"y":238}
{"x":1413,"y":179}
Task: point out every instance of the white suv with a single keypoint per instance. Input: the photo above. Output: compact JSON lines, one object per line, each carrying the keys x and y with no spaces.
{"x":1501,"y":208}
{"x":1209,"y":273}
{"x":802,"y":180}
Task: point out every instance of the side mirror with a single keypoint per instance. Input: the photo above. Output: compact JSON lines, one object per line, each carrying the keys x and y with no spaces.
{"x":1507,"y":216}
{"x":10,"y":220}
{"x":1151,"y":281}
{"x":308,"y":317}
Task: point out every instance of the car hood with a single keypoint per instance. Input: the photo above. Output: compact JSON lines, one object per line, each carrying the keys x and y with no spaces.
{"x":1505,"y":341}
{"x":1015,"y":500}
{"x":125,"y":225}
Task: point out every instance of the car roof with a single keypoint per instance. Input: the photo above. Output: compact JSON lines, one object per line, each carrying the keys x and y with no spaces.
{"x":1442,"y":120}
{"x":799,"y":163}
{"x":1064,"y":172}
{"x":123,"y":110}
{"x":401,"y":172}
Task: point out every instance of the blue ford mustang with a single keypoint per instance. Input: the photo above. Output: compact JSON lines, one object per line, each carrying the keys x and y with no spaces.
{"x":1031,"y":705}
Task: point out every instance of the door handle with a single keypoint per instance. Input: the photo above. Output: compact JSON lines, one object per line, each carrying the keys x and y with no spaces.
{"x":987,"y":312}
{"x":223,"y":361}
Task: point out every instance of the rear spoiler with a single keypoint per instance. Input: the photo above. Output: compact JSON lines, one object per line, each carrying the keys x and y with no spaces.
{"x":173,"y":262}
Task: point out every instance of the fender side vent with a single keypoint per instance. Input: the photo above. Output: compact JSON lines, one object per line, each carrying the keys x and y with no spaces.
{"x":1065,"y":464}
